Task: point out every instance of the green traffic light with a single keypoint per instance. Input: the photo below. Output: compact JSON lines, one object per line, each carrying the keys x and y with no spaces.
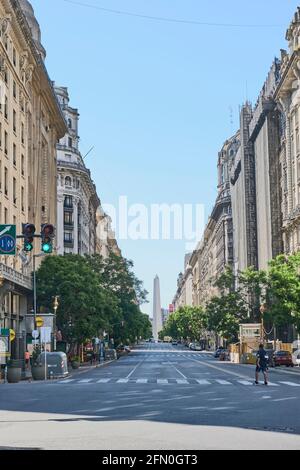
{"x":28,"y":246}
{"x":47,"y":248}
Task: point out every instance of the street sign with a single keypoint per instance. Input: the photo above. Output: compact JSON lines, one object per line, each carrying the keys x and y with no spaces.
{"x":12,"y":335}
{"x":7,"y":239}
{"x":39,"y":321}
{"x":46,"y":334}
{"x":35,"y":334}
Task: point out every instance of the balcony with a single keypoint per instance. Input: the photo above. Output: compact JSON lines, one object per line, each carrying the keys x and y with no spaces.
{"x":73,"y":166}
{"x":68,"y":243}
{"x":11,"y":275}
{"x":69,"y":225}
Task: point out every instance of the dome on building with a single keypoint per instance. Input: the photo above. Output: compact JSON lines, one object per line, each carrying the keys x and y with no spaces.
{"x":33,"y":24}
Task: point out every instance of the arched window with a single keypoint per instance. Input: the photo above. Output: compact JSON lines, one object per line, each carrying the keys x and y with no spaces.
{"x":68,"y":181}
{"x":69,"y":123}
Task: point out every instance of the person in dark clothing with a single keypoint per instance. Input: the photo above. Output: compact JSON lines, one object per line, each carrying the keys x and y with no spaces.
{"x":261,"y":364}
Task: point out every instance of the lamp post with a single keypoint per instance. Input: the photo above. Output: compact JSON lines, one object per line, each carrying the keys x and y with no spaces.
{"x":55,"y":307}
{"x":262,"y":309}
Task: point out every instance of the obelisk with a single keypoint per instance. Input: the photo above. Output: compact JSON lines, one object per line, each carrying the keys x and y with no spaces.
{"x":157,"y":321}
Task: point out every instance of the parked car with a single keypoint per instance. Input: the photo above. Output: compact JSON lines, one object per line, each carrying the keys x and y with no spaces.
{"x":218,"y":352}
{"x":197,"y":347}
{"x":174,"y":343}
{"x":283,"y":358}
{"x":191,"y":346}
{"x":224,"y":355}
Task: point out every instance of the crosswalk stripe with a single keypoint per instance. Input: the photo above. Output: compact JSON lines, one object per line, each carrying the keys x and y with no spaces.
{"x":102,"y":381}
{"x":223,"y":382}
{"x":85,"y":381}
{"x":292,"y":384}
{"x":182,"y":381}
{"x":203,"y":382}
{"x":245,"y":382}
{"x":162,"y":381}
{"x":142,"y":381}
{"x":66,"y":381}
{"x":122,"y":381}
{"x":272,"y":384}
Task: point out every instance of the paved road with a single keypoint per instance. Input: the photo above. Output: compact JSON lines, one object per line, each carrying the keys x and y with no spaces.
{"x":158,"y":397}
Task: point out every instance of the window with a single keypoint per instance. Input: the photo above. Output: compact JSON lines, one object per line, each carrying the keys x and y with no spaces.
{"x":5,"y":181}
{"x":14,"y":190}
{"x":14,"y":90}
{"x":68,"y":181}
{"x":14,"y":121}
{"x":14,"y":57}
{"x":22,"y":165}
{"x":6,"y":107}
{"x":14,"y":154}
{"x":6,"y":77}
{"x":68,"y":237}
{"x":69,"y":123}
{"x":5,"y":143}
{"x":68,"y":218}
{"x":70,"y":142}
{"x":5,"y":215}
{"x":68,"y":201}
{"x":22,"y":133}
{"x":22,"y":199}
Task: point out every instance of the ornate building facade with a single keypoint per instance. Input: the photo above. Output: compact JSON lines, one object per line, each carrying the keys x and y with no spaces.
{"x":287,"y":97}
{"x":76,"y":193}
{"x":31,"y":123}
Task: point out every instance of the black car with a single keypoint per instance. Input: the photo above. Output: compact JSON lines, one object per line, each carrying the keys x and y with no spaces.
{"x":218,"y":352}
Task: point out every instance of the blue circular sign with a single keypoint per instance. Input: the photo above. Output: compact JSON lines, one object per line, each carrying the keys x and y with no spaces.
{"x":7,"y":243}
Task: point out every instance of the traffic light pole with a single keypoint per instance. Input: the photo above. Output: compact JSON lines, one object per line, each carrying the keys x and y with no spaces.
{"x":34,"y":287}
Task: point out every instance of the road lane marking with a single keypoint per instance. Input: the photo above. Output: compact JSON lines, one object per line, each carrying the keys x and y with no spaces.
{"x":203,"y":382}
{"x":85,"y":381}
{"x":292,"y":384}
{"x":283,"y":399}
{"x":223,"y":382}
{"x":130,"y":374}
{"x":66,"y":381}
{"x":103,"y":381}
{"x":142,"y":381}
{"x":245,"y":382}
{"x":123,"y":381}
{"x":220,"y":369}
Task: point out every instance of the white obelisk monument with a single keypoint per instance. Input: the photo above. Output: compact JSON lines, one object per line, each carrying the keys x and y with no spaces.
{"x":157,"y":320}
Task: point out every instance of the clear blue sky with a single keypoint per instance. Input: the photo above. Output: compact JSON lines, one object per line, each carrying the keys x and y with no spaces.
{"x":154,"y":98}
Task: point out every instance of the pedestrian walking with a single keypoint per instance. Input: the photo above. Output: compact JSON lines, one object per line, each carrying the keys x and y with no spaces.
{"x":27,"y":359}
{"x":261,"y":364}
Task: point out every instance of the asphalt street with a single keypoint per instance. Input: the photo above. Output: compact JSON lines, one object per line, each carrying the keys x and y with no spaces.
{"x":158,"y":397}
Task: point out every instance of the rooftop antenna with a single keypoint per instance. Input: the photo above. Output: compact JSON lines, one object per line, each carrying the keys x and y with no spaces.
{"x":88,"y":152}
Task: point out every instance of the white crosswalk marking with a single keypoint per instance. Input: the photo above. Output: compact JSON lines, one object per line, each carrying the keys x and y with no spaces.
{"x":66,"y":381}
{"x":85,"y":381}
{"x":122,"y":381}
{"x":142,"y":381}
{"x":223,"y":382}
{"x":245,"y":382}
{"x":292,"y":384}
{"x":203,"y":382}
{"x":182,"y":381}
{"x":162,"y":381}
{"x":102,"y":381}
{"x":272,"y":384}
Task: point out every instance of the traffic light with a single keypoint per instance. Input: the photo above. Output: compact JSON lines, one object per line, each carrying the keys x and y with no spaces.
{"x":28,"y":231}
{"x":47,"y":235}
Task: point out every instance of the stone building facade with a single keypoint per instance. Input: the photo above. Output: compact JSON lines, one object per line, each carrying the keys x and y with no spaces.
{"x":76,"y":193}
{"x":31,"y":123}
{"x":287,"y":97}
